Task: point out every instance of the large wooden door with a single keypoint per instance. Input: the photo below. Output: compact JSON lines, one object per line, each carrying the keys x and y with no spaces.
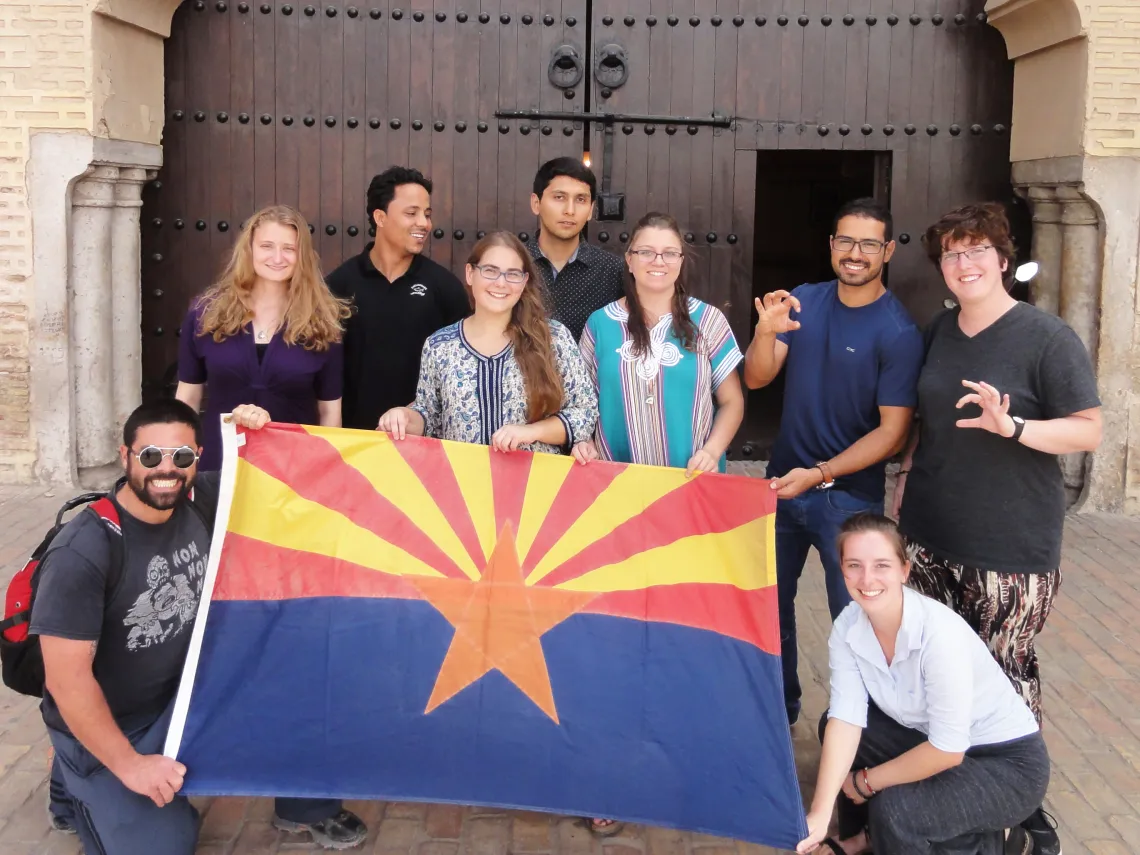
{"x":916,"y":93}
{"x":672,"y":147}
{"x":672,"y":99}
{"x":303,"y":103}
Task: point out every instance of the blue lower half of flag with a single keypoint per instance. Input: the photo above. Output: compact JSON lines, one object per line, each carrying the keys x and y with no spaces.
{"x":658,"y":723}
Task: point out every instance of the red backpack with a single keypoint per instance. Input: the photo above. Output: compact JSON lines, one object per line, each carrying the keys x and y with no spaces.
{"x":23,"y":664}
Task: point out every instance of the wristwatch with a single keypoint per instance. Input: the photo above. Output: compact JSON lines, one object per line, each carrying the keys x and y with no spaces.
{"x":1018,"y":427}
{"x":825,"y":470}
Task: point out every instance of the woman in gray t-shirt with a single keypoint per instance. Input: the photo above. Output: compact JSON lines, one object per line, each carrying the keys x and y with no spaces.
{"x":1006,"y":389}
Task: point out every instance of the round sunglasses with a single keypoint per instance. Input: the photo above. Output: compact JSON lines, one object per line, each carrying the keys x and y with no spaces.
{"x":151,"y":456}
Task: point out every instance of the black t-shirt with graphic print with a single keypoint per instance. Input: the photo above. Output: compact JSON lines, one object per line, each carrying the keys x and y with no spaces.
{"x":142,"y":628}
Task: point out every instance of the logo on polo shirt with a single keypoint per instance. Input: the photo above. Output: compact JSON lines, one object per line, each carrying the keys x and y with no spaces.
{"x":419,"y":290}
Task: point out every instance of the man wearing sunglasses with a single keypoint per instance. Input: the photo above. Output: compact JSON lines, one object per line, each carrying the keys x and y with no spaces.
{"x":114,"y":612}
{"x":853,"y":356}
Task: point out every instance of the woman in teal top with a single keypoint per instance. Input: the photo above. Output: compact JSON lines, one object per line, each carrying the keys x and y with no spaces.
{"x":664,"y":363}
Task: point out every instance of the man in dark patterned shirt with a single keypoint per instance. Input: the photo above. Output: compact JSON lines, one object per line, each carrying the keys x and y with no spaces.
{"x":580,"y":278}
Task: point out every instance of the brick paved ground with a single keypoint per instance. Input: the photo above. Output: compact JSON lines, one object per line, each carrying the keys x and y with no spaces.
{"x":1091,"y":660}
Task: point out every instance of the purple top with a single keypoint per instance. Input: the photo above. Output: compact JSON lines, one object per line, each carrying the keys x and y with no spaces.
{"x":288,"y":382}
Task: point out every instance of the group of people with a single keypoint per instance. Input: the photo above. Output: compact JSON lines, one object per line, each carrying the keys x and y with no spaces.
{"x":932,"y":740}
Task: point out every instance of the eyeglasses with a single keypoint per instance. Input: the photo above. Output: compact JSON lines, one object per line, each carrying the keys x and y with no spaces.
{"x":492,"y":274}
{"x":974,"y":253}
{"x":669,"y":256}
{"x":151,"y":456}
{"x":867,"y":247}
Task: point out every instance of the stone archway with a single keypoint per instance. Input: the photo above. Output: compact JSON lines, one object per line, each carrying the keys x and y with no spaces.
{"x":84,"y":194}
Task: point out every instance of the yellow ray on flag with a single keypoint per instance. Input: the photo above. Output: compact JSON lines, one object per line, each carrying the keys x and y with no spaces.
{"x":473,"y":472}
{"x":547,"y":474}
{"x":630,"y":493}
{"x":268,"y":510}
{"x":375,"y":456}
{"x":727,"y":558}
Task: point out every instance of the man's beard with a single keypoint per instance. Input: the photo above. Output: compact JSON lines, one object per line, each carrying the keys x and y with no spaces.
{"x":859,"y":278}
{"x":139,"y":480}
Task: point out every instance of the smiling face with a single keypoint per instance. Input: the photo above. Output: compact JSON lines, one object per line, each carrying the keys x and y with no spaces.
{"x":857,"y":265}
{"x":973,"y":269}
{"x":274,"y":248}
{"x":163,"y":486}
{"x":406,"y":223}
{"x":565,"y":207}
{"x":656,"y":275}
{"x":496,"y":296}
{"x":873,"y":571}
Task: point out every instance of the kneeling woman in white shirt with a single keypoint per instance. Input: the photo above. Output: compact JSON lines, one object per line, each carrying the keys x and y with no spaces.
{"x":930,"y":746}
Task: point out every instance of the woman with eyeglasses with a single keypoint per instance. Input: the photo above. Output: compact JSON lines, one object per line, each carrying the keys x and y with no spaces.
{"x":665,"y":364}
{"x":267,"y":333}
{"x":505,"y":376}
{"x":1005,"y":390}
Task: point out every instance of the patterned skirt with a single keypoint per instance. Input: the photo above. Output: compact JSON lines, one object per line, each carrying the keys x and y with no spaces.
{"x":1006,"y":610}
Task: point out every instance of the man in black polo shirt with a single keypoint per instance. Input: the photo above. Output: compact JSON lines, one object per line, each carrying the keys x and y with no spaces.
{"x":580,"y":278}
{"x":400,"y":299}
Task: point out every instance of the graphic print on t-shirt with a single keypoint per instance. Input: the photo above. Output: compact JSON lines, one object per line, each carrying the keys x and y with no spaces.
{"x":170,"y":601}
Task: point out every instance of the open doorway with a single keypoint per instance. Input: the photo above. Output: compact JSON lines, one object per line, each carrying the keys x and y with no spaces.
{"x":797,"y":194}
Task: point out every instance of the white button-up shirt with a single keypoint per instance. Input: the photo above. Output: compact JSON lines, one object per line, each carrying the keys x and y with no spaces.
{"x":943,"y":681}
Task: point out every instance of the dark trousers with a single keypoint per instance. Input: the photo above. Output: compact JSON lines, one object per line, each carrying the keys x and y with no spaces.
{"x":112,"y":820}
{"x":59,"y":802}
{"x":962,"y":811}
{"x":810,"y":519}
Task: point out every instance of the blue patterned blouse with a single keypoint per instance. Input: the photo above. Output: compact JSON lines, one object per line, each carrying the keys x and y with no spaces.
{"x":465,"y":396}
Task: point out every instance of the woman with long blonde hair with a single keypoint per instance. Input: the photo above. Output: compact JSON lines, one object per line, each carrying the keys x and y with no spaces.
{"x":506,"y":376}
{"x":267,"y":333}
{"x":266,"y":339}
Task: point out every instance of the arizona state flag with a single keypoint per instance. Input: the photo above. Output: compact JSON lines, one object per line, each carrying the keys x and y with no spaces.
{"x":432,"y":621}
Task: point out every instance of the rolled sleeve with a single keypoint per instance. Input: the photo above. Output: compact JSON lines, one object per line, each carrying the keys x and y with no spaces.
{"x":948,"y":682}
{"x":849,"y":698}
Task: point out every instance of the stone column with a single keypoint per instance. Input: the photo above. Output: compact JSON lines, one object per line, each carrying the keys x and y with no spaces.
{"x":126,"y":297}
{"x":1045,"y":287}
{"x":89,"y":274}
{"x":1080,"y":265}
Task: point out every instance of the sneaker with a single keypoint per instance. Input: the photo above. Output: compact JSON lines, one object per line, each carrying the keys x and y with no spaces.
{"x":1042,"y":828}
{"x":344,"y":831}
{"x":61,"y":824}
{"x":1018,"y":842}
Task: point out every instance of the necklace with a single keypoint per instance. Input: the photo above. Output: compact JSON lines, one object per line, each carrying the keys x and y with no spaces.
{"x":261,"y":336}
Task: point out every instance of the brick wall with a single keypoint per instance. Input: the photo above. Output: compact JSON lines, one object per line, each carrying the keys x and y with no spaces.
{"x":1113,"y":105}
{"x":45,"y":84}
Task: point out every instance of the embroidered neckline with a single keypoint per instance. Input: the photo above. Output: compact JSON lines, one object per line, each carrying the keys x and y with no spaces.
{"x":474,"y":352}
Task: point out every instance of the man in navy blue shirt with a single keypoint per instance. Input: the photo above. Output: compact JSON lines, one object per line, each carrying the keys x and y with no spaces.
{"x":853,"y":355}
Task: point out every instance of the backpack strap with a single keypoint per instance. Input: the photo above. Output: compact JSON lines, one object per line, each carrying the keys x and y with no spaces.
{"x":106,"y":510}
